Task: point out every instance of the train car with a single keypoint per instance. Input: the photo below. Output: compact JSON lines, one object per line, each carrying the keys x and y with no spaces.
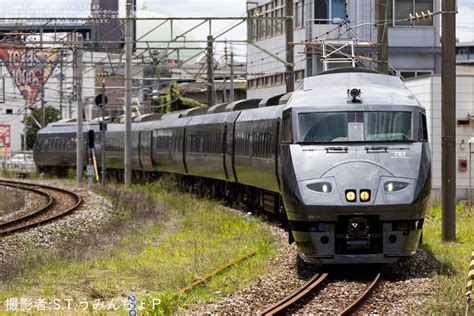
{"x":55,"y":146}
{"x":355,"y":168}
{"x":345,"y":159}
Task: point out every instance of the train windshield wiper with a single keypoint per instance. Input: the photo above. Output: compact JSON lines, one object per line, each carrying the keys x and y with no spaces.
{"x":337,"y":149}
{"x":376,"y":148}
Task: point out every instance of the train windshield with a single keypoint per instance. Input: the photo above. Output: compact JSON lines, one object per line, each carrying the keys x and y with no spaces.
{"x":373,"y":126}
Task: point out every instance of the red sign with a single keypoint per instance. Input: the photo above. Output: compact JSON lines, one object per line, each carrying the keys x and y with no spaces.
{"x":4,"y":140}
{"x":29,"y":67}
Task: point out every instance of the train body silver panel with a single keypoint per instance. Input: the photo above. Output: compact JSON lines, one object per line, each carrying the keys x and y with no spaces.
{"x":145,"y":153}
{"x":256,"y":144}
{"x":56,"y":144}
{"x":168,"y":145}
{"x":206,"y":142}
{"x":114,"y":146}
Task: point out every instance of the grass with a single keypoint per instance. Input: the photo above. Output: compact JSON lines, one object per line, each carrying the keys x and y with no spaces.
{"x":159,"y":243}
{"x":454,"y":259}
{"x":162,"y":240}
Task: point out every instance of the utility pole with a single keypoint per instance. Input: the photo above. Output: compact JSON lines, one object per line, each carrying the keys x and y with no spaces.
{"x":224,"y":83}
{"x":382,"y":36}
{"x":232,"y":96}
{"x":224,"y":90}
{"x":290,"y":67}
{"x":448,"y":117}
{"x":128,"y":94}
{"x":79,"y":134}
{"x":61,"y":85}
{"x":103,"y":129}
{"x":43,"y":114}
{"x":210,"y":72}
{"x":25,"y":116}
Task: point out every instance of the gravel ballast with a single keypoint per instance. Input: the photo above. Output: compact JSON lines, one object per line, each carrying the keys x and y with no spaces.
{"x":405,"y":286}
{"x":94,"y":211}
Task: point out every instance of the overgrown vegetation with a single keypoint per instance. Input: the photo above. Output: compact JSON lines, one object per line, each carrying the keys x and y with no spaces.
{"x":11,"y":200}
{"x":175,"y":101}
{"x":159,"y":242}
{"x":454,"y":259}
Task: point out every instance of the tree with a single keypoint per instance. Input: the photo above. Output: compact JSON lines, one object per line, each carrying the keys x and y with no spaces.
{"x":32,"y":123}
{"x":176,"y":101}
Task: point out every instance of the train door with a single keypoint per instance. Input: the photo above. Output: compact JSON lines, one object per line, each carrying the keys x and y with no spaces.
{"x":145,"y":150}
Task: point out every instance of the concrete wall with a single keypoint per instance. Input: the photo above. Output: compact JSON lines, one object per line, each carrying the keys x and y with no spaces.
{"x":428,"y":92}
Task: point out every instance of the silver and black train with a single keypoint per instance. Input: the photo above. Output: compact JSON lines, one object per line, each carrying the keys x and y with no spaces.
{"x":345,"y":158}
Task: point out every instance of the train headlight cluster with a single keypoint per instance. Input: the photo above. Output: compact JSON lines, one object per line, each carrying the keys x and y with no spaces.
{"x":392,"y":186}
{"x":365,"y":195}
{"x":323,"y":187}
{"x":351,"y":195}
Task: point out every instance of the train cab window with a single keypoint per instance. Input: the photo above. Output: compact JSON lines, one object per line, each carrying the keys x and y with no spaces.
{"x":422,"y":128}
{"x":370,"y":126}
{"x":323,"y":126}
{"x":387,"y":126}
{"x":287,"y":134}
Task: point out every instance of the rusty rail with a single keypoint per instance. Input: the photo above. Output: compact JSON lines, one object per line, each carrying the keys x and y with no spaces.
{"x":13,"y":225}
{"x":353,"y":307}
{"x":296,"y":295}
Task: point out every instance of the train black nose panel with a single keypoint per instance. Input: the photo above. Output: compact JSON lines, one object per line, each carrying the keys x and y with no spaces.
{"x":358,"y":235}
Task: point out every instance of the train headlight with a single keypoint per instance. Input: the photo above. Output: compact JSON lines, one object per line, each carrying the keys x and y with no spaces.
{"x":324,"y":187}
{"x":365,"y":195}
{"x":350,"y":195}
{"x":392,"y":186}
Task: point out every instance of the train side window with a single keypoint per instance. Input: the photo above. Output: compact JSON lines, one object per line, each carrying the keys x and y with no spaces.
{"x":423,"y":128}
{"x":287,"y":134}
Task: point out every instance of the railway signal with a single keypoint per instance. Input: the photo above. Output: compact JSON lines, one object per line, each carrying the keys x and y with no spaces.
{"x":101,"y":101}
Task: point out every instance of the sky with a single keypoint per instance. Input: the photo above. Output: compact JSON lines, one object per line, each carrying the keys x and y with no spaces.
{"x":465,"y":22}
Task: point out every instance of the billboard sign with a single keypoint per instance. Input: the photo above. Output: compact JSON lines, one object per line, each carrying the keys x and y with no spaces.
{"x":29,"y":68}
{"x":4,"y":140}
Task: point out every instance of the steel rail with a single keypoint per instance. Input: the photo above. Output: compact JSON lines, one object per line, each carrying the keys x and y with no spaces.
{"x":34,"y":186}
{"x":296,"y":295}
{"x":351,"y":308}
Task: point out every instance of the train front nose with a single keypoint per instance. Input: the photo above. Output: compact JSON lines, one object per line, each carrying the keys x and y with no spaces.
{"x":351,"y":214}
{"x":350,"y":184}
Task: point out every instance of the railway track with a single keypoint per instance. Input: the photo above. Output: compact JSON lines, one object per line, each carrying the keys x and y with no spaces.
{"x":57,"y":203}
{"x":314,"y":282}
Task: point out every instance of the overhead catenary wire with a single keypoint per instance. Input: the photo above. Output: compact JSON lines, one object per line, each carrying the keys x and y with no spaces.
{"x":68,"y":64}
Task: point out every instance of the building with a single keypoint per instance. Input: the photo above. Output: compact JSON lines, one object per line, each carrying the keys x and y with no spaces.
{"x":428,"y":91}
{"x":414,"y":50}
{"x":465,"y":53}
